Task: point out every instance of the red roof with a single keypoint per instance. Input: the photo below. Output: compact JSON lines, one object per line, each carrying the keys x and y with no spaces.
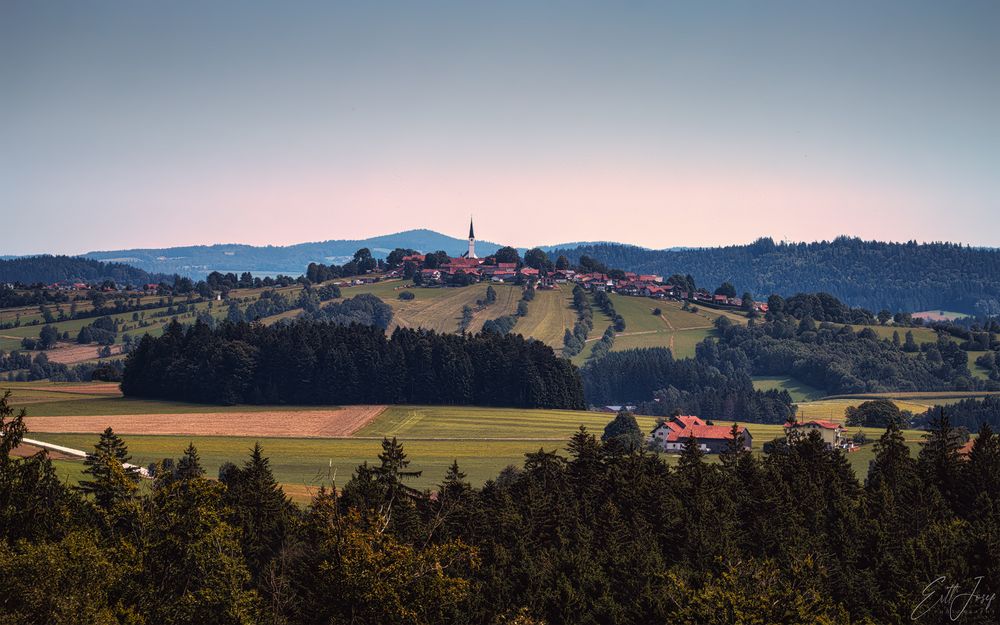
{"x":682,"y":427}
{"x":966,"y":449}
{"x":702,"y":432}
{"x":528,"y":271}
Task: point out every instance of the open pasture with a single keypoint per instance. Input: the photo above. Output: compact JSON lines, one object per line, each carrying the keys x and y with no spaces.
{"x":675,"y":328}
{"x":550,"y":314}
{"x":799,"y":391}
{"x":303,"y":464}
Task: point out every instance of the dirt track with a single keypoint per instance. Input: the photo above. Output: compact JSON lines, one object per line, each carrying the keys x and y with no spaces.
{"x":281,"y":424}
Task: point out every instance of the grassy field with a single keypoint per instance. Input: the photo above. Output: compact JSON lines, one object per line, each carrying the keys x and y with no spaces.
{"x":675,"y":328}
{"x":440,"y":309}
{"x":549,"y":315}
{"x":940,"y":315}
{"x":800,"y":392}
{"x":483,"y":440}
{"x":302,"y":465}
{"x":833,"y":407}
{"x":977,"y":371}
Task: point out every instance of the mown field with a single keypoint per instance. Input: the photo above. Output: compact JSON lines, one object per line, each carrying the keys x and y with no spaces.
{"x":799,"y":391}
{"x":483,"y":440}
{"x":440,"y":309}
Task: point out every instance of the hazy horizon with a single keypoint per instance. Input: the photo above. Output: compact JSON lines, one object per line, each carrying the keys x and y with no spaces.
{"x":460,"y":237}
{"x":142,"y":125}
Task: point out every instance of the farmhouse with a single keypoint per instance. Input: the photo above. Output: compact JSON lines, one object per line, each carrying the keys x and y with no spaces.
{"x":430,"y":275}
{"x":671,"y":435}
{"x":831,"y":431}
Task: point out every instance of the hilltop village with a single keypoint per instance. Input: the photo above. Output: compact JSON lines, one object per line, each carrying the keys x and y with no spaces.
{"x":438,"y":269}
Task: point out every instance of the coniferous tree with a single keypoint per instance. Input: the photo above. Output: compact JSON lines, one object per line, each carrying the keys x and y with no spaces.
{"x":189,"y":465}
{"x":938,"y":460}
{"x":260,"y":510}
{"x":112,"y":481}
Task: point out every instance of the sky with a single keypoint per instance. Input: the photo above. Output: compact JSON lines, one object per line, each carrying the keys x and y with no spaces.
{"x":152,"y":124}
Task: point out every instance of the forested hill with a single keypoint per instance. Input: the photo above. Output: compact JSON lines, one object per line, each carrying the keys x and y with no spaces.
{"x":49,"y":269}
{"x":898,"y":276}
{"x":197,"y":261}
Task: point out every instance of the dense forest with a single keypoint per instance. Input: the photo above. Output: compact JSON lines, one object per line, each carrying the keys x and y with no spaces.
{"x":49,"y":269}
{"x":323,"y":362}
{"x":872,"y":274}
{"x":663,"y":386}
{"x":971,"y":414}
{"x":602,"y":535}
{"x":831,"y":357}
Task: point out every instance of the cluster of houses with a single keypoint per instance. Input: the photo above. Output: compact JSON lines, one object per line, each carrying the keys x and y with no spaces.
{"x":69,"y":286}
{"x":671,"y":435}
{"x":470,"y":267}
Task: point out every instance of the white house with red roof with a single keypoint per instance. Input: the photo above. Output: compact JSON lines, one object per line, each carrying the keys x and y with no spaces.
{"x":831,"y":431}
{"x":671,"y":435}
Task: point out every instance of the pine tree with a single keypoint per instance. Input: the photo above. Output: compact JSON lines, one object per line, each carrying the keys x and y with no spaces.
{"x":12,"y":428}
{"x":260,"y":509}
{"x":734,"y":450}
{"x":189,"y":466}
{"x":938,"y":460}
{"x":112,"y":481}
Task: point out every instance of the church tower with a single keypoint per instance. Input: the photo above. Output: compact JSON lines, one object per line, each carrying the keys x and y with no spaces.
{"x":472,"y":242}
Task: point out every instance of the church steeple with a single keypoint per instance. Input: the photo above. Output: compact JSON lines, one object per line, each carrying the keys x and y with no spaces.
{"x":472,"y":242}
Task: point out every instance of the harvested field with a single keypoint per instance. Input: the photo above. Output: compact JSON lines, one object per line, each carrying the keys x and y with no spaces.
{"x":330,"y":423}
{"x":25,"y":450}
{"x":72,"y":353}
{"x":77,"y":388}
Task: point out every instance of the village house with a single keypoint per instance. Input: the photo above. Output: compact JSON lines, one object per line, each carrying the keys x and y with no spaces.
{"x":430,"y":276}
{"x":673,"y":434}
{"x":831,"y":431}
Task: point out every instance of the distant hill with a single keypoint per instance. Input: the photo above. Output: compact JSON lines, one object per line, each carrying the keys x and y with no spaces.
{"x":199,"y":260}
{"x":873,"y":274}
{"x":49,"y":269}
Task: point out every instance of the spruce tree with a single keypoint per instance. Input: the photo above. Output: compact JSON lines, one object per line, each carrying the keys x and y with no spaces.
{"x":112,"y":480}
{"x":189,"y":466}
{"x":259,"y":508}
{"x":938,"y":460}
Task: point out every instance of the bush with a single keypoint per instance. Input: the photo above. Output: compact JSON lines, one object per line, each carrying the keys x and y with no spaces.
{"x":406,"y":295}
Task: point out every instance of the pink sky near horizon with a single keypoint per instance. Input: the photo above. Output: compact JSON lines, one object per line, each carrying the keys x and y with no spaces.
{"x":517,"y":206}
{"x":127,"y":125}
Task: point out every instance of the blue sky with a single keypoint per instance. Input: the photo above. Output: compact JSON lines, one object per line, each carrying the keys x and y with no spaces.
{"x":142,"y":124}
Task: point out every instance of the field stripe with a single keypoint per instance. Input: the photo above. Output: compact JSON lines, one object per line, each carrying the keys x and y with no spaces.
{"x":340,"y":422}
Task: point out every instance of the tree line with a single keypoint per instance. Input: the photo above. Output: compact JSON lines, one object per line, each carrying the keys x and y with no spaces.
{"x":604,"y":533}
{"x":48,"y":269}
{"x":872,"y":274}
{"x":322,"y":362}
{"x":658,"y":384}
